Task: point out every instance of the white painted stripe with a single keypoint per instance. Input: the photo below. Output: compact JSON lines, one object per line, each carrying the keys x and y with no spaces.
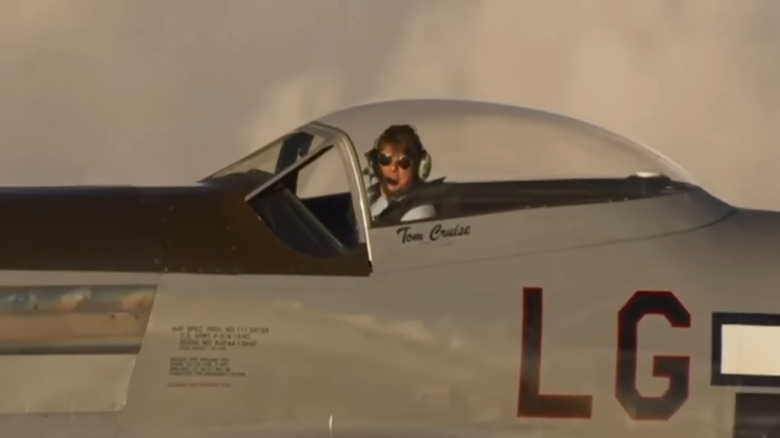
{"x":751,"y":350}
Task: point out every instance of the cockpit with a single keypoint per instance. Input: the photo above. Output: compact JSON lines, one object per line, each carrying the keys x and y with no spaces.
{"x":324,"y":187}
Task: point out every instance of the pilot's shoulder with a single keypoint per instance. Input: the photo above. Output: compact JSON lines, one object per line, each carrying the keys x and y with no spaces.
{"x":378,"y":205}
{"x":423,"y":211}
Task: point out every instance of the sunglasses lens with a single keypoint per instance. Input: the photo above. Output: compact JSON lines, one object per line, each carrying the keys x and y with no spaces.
{"x":403,"y":162}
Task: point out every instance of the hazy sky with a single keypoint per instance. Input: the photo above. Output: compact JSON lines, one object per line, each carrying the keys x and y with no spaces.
{"x":147,"y":92}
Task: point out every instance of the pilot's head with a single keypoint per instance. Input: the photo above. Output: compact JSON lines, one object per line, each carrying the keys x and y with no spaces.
{"x":399,"y":153}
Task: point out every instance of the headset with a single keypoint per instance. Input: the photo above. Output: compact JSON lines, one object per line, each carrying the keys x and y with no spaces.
{"x":422,"y":171}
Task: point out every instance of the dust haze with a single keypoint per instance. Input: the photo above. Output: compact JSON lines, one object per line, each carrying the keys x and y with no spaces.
{"x":151,"y":92}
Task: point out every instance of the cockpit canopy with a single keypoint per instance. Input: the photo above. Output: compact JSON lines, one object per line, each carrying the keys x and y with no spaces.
{"x":474,"y":141}
{"x":477,"y":142}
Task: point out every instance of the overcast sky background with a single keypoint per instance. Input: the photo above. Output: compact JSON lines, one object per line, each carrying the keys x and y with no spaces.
{"x":153,"y":91}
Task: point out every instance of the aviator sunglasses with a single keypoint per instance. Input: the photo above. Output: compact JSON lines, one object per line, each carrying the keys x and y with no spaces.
{"x":403,"y":161}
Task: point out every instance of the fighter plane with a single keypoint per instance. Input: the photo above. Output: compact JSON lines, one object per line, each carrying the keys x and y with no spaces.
{"x":557,"y":280}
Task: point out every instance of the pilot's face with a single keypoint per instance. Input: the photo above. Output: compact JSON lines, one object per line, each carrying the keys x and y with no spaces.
{"x":396,"y":168}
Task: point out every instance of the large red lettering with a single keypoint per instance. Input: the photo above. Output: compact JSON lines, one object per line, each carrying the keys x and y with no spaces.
{"x":674,"y":368}
{"x":532,"y":403}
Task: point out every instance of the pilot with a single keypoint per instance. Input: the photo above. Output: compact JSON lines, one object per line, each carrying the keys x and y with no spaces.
{"x":400,"y":163}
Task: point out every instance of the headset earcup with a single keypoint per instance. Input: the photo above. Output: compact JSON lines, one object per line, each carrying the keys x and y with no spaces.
{"x":424,"y":168}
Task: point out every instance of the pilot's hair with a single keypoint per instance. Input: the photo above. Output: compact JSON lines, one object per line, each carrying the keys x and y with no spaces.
{"x":406,"y":137}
